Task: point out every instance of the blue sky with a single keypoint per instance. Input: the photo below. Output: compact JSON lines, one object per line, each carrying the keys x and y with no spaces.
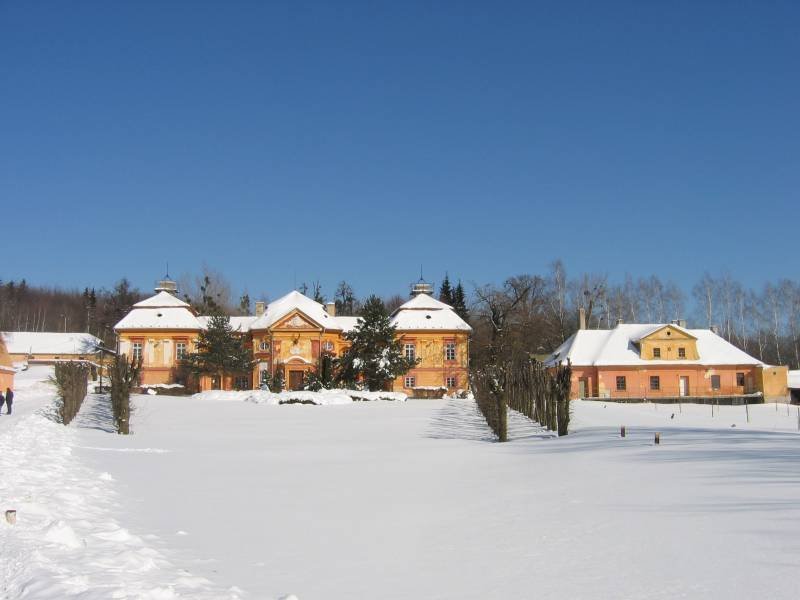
{"x":301,"y":141}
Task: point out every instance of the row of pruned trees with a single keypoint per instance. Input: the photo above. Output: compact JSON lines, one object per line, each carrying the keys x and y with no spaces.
{"x":525,"y":385}
{"x":71,"y":379}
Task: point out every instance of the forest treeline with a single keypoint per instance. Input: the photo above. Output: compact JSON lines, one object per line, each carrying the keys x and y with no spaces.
{"x":527,"y":313}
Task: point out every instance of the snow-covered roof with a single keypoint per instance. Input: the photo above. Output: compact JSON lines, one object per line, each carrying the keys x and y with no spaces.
{"x":794,"y":380}
{"x":161,"y":300}
{"x":160,"y":318}
{"x":617,"y":347}
{"x":345,"y":323}
{"x":237,"y":323}
{"x":425,"y":312}
{"x":424,"y":301}
{"x":294,"y":300}
{"x":42,"y":342}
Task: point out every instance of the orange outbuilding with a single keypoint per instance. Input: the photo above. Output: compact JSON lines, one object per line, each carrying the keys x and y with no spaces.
{"x":667,"y":360}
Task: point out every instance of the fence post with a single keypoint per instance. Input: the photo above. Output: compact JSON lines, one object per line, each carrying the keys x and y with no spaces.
{"x":658,"y":438}
{"x":11,"y":516}
{"x":622,"y":430}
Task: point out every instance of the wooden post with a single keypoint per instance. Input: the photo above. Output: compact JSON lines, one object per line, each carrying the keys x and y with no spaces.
{"x":747,"y":410}
{"x":658,"y":438}
{"x":11,"y":516}
{"x":622,"y":429}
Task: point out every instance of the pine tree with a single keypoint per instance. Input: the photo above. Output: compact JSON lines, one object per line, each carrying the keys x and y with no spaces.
{"x":277,"y":383}
{"x":375,"y":357}
{"x":460,"y":302}
{"x":445,"y":291}
{"x":220,"y":351}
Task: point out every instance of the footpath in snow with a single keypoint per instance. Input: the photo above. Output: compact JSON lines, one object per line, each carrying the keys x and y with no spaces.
{"x":68,"y":541}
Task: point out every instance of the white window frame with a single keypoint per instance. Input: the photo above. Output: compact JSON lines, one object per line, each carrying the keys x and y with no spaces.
{"x":410,"y":351}
{"x":327,"y":346}
{"x":137,"y":350}
{"x":181,"y":350}
{"x":450,"y":351}
{"x":450,"y":382}
{"x":410,"y":381}
{"x":263,"y":346}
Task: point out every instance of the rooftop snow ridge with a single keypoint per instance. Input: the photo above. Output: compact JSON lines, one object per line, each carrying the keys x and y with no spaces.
{"x":161,"y":300}
{"x":619,"y":347}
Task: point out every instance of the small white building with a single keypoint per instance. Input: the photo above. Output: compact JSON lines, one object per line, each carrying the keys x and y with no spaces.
{"x":50,"y":347}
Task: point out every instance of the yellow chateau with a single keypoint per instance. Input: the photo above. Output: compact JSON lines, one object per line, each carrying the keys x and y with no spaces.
{"x":289,"y":335}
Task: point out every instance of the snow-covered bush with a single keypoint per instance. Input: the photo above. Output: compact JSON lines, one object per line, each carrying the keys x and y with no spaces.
{"x":320,"y":398}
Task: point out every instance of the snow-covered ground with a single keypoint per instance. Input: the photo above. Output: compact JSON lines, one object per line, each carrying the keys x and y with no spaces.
{"x":390,"y":500}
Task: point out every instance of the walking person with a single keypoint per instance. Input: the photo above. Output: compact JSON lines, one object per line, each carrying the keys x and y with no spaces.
{"x":9,"y":400}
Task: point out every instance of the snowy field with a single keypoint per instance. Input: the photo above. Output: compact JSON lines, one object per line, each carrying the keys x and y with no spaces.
{"x":390,"y":500}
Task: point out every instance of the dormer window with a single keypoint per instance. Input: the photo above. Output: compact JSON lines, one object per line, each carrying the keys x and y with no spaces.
{"x":656,"y":352}
{"x":681,"y":352}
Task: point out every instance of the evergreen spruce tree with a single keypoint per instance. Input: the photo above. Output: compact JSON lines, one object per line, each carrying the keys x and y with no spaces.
{"x":460,"y":302}
{"x":277,"y":383}
{"x":375,"y":357}
{"x":446,"y":291}
{"x":220,"y":351}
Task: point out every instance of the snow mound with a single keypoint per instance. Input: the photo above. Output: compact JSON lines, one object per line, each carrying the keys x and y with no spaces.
{"x":321,"y":398}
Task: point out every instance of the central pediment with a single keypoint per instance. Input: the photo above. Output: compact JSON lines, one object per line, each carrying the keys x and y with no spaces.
{"x":297,"y":320}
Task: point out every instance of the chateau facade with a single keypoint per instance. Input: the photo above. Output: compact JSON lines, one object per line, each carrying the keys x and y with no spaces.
{"x":289,"y":335}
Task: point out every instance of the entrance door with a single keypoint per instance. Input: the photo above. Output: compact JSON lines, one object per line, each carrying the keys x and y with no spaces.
{"x":295,"y":380}
{"x":582,"y":388}
{"x":684,"y":389}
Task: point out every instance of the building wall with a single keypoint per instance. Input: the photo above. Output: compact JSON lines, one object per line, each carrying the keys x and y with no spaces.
{"x":6,"y":368}
{"x":602,"y":381}
{"x":433,"y":370}
{"x":296,"y":350}
{"x":773,"y":382}
{"x":584,"y":382}
{"x":668,"y":340}
{"x":159,"y":364}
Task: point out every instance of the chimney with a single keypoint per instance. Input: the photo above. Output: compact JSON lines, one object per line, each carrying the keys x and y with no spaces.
{"x":330,"y":308}
{"x":682,"y":323}
{"x":260,"y":307}
{"x":581,"y":318}
{"x":620,"y":321}
{"x":714,"y":329}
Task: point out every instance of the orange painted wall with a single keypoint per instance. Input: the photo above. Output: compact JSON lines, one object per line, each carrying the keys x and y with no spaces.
{"x":602,"y":381}
{"x":433,"y":370}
